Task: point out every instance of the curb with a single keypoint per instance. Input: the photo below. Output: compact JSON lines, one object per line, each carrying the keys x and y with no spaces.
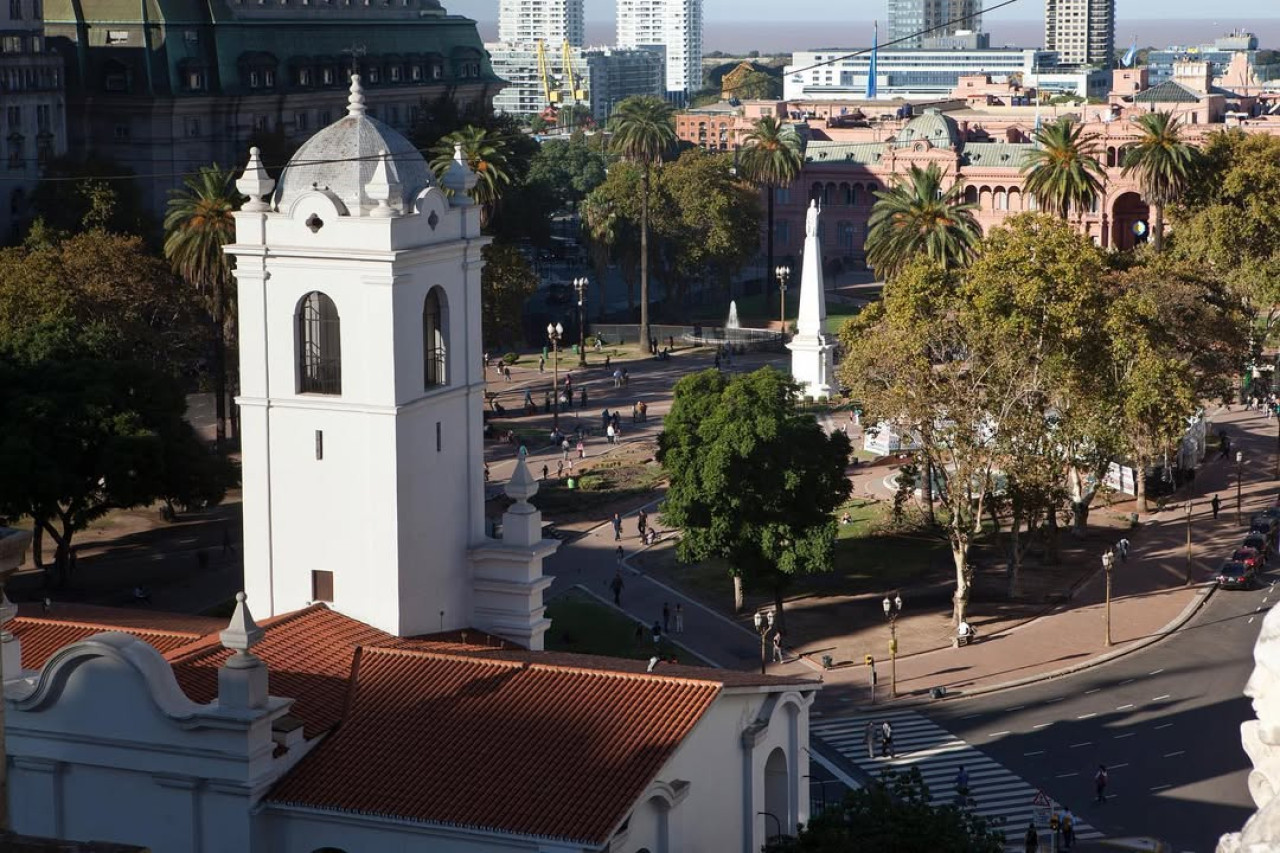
{"x":1202,"y":595}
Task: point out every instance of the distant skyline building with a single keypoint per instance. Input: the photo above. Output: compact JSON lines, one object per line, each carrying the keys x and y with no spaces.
{"x":1218,"y":54}
{"x":907,"y":73}
{"x":676,"y":25}
{"x":606,"y":74}
{"x":552,"y":21}
{"x":1082,"y":32}
{"x":909,"y":20}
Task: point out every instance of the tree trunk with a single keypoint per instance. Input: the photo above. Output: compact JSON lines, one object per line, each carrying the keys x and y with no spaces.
{"x":928,"y":493}
{"x":37,"y":544}
{"x":768,"y":270}
{"x":644,"y":256}
{"x":737,"y":593}
{"x":1157,"y":231}
{"x":1015,"y":555}
{"x":1140,"y":483}
{"x":219,"y":366}
{"x":1051,"y":537}
{"x":964,"y":574}
{"x":1079,"y":517}
{"x":779,"y":615}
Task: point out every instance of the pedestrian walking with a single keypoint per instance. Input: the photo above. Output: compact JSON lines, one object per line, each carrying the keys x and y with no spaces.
{"x":644,"y":411}
{"x":617,"y":378}
{"x":1216,"y":505}
{"x":777,"y":647}
{"x":582,"y":395}
{"x":545,"y":472}
{"x":679,"y":618}
{"x":611,"y":434}
{"x":617,"y":527}
{"x":1067,"y":822}
{"x":666,"y":617}
{"x":1100,"y":783}
{"x":564,"y":448}
{"x":582,"y":449}
{"x":635,"y":413}
{"x":962,"y":782}
{"x":506,"y":372}
{"x":616,"y":585}
{"x":560,"y":470}
{"x":1032,"y":839}
{"x":546,"y":403}
{"x":886,"y":739}
{"x":626,"y":378}
{"x":657,"y":632}
{"x":642,"y":521}
{"x":871,"y":740}
{"x":542,"y":364}
{"x":1123,"y":548}
{"x":619,"y":555}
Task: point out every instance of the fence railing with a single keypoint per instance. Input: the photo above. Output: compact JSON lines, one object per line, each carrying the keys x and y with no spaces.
{"x":740,"y":339}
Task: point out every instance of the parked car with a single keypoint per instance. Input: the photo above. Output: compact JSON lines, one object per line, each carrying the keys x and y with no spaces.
{"x":1271,"y":512}
{"x":1263,"y":524}
{"x":1260,"y":543}
{"x":1234,"y":575}
{"x":1249,"y":556}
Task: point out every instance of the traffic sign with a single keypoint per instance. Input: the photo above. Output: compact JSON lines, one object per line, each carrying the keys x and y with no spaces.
{"x":1041,"y":799}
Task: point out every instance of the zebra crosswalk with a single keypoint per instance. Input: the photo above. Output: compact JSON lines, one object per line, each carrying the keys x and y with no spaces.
{"x":918,"y":742}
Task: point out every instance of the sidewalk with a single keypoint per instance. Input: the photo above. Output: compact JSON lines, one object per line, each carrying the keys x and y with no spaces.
{"x":1150,"y":596}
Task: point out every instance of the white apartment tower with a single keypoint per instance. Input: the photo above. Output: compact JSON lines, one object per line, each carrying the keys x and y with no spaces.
{"x":1082,"y":32}
{"x":676,"y":25}
{"x":551,"y":21}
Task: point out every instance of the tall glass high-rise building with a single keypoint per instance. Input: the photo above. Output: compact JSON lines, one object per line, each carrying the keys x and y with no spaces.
{"x":676,"y":26}
{"x":1083,"y":32}
{"x":910,"y":19}
{"x":551,"y":21}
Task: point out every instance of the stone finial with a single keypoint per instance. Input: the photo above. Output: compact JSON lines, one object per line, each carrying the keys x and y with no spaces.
{"x":255,"y":183}
{"x":382,"y":188}
{"x":355,"y":101}
{"x":240,"y":635}
{"x":459,"y":179}
{"x":522,"y":486}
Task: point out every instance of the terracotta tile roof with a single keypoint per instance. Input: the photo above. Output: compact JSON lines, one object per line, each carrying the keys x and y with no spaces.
{"x":309,"y":654}
{"x":555,"y":752}
{"x":43,"y":635}
{"x":724,"y":677}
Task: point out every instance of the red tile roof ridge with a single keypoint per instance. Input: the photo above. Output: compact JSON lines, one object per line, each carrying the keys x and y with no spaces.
{"x":464,"y":657}
{"x":100,"y":626}
{"x":203,"y":644}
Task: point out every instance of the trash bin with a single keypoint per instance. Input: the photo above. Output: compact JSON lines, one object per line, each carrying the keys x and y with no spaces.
{"x":571,"y":484}
{"x":827,"y":662}
{"x":575,"y":349}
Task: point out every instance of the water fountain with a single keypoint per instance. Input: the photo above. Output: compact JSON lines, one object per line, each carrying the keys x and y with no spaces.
{"x":732,"y":322}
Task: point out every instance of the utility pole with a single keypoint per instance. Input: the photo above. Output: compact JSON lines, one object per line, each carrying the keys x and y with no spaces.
{"x":1189,"y":503}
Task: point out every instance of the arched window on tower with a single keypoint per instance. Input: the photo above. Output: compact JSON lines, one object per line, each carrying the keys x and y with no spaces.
{"x":435,"y":333}
{"x":319,"y":345}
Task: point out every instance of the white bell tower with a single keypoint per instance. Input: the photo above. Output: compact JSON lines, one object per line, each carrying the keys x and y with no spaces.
{"x":361,"y":384}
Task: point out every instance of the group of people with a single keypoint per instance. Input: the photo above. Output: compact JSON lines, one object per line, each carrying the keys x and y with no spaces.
{"x":1269,"y":405}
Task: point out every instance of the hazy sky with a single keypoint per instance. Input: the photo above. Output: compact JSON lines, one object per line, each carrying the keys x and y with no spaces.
{"x":1228,"y":12}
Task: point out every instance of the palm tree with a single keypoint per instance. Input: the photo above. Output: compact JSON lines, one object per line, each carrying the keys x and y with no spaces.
{"x":1062,"y":170}
{"x":771,"y":159}
{"x":643,"y":130}
{"x":916,"y":216}
{"x":198,"y":223}
{"x":1163,"y":163}
{"x":486,"y":154}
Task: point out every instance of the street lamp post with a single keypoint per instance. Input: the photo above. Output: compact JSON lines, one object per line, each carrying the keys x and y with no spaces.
{"x":1108,"y":563}
{"x":783,"y":273}
{"x":764,"y":624}
{"x":554,"y":333}
{"x":1239,"y":475}
{"x":893,"y":607}
{"x":580,"y":285}
{"x":1277,"y":414}
{"x":1189,"y":503}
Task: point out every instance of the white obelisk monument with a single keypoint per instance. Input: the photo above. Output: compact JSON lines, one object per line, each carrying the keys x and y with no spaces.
{"x":812,"y":361}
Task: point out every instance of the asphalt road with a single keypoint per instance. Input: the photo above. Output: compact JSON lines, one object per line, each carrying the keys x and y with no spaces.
{"x":1165,"y":720}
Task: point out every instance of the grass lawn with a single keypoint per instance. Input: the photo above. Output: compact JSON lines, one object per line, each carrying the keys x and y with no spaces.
{"x":625,"y":477}
{"x":870,"y":557}
{"x":581,"y":624}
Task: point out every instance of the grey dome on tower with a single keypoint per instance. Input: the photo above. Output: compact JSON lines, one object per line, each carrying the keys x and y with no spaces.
{"x":344,"y":157}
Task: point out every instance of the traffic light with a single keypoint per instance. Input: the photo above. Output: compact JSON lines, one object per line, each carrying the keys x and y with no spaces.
{"x":869,"y":660}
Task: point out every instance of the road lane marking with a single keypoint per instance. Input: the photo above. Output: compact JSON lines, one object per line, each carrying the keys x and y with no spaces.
{"x":1015,"y":708}
{"x":1117,"y":766}
{"x":1094,"y":690}
{"x":970,"y":716}
{"x":1126,"y":734}
{"x":1042,"y":725}
{"x":1051,"y":701}
{"x":1124,"y":707}
{"x":1160,"y":698}
{"x":1128,"y":681}
{"x":1163,"y":726}
{"x":1037,"y":752}
{"x":1084,"y":743}
{"x":1161,"y":787}
{"x":1157,"y":672}
{"x":997,"y":734}
{"x":1174,"y":754}
{"x":1251,"y":618}
{"x":1087,"y":716}
{"x":1065,"y":775}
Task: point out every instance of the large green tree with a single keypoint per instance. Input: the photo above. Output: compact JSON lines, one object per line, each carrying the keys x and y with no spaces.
{"x":917,"y":217}
{"x":1062,"y":170}
{"x":81,"y":435}
{"x":199,"y":221}
{"x":894,"y":813}
{"x":506,"y":284}
{"x":94,"y":192}
{"x":771,"y":159}
{"x":567,"y":169}
{"x":1164,"y":164}
{"x":486,"y":154}
{"x":643,"y":132}
{"x":753,"y":481}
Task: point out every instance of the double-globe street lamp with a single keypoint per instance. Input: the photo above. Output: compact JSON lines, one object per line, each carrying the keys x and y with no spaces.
{"x":893,"y":607}
{"x":1108,"y":563}
{"x":580,"y":285}
{"x":554,"y":332}
{"x":1239,"y":475}
{"x":764,"y":624}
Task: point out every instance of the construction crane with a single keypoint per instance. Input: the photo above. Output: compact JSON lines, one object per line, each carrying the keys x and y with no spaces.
{"x":550,"y":95}
{"x":578,"y":95}
{"x":552,"y":92}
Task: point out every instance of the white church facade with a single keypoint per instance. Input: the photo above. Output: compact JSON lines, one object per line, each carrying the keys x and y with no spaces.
{"x":395,"y":694}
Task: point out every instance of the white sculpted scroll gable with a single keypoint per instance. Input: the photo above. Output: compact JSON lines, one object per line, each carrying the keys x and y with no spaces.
{"x":1261,"y":740}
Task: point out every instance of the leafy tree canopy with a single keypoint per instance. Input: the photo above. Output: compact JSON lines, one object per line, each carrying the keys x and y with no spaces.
{"x":752,"y":480}
{"x":894,"y":814}
{"x":506,"y":283}
{"x":91,"y":193}
{"x":567,"y":170}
